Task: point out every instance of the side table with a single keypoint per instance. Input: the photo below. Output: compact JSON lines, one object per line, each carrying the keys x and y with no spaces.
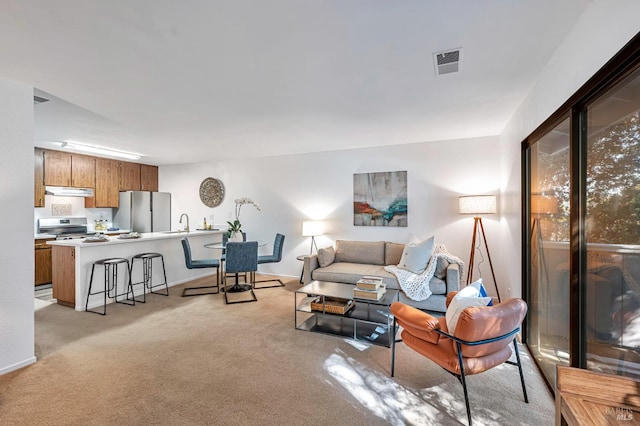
{"x":301,"y":258}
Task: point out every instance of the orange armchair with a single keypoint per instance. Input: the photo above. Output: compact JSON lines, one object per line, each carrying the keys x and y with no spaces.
{"x":479,"y":342}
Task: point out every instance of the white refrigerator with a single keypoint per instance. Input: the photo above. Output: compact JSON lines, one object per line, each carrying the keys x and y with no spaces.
{"x":144,"y":211}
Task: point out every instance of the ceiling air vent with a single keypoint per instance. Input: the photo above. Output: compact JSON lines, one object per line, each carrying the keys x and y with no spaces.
{"x":38,"y":100}
{"x":448,"y":62}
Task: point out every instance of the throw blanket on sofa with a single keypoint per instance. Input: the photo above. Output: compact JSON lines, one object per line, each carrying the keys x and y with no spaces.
{"x":416,"y":286}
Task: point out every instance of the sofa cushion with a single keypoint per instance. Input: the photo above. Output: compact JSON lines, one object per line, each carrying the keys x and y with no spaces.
{"x":350,"y":273}
{"x":437,"y":286}
{"x":392,"y":253}
{"x":326,"y":256}
{"x":371,"y":252}
{"x":441,"y":268}
{"x":416,"y":256}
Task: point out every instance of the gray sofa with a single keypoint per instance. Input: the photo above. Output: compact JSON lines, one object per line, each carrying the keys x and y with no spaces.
{"x":355,"y":259}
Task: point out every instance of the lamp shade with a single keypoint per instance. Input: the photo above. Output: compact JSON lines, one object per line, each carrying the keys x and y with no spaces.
{"x":312,"y":228}
{"x":544,"y":204}
{"x":477,"y":204}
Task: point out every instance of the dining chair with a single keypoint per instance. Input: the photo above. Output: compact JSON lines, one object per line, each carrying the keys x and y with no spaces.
{"x":275,"y":257}
{"x":198,"y":264}
{"x":240,"y":258}
{"x":225,"y":240}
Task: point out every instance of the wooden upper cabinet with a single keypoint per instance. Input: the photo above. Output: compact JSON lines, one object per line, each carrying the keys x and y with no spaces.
{"x":148,"y":178}
{"x":57,"y":168}
{"x":129,"y":176}
{"x":66,"y":169}
{"x":107,"y":183}
{"x":38,"y":193}
{"x":83,"y":171}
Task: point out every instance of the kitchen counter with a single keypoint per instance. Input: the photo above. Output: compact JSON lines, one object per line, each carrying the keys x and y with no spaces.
{"x":113,"y":238}
{"x":73,"y":260}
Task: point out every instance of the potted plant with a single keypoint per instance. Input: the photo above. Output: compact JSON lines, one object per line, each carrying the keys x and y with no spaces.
{"x":234,"y":232}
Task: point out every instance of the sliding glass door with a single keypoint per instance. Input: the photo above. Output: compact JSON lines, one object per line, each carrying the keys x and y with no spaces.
{"x":612,"y":310}
{"x":549,"y":248}
{"x":581,"y":231}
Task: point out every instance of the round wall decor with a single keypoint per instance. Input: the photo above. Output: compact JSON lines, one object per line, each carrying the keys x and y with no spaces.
{"x":211,"y":192}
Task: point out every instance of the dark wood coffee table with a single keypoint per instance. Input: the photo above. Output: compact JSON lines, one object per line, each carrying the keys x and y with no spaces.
{"x":369,"y":320}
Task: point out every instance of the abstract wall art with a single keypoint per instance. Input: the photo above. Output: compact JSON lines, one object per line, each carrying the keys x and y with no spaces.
{"x":380,"y":199}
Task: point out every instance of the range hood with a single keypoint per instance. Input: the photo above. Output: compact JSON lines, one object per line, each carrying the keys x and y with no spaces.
{"x":64,"y":191}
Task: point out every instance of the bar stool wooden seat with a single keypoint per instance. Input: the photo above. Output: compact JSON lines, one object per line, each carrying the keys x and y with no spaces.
{"x":147,"y":274}
{"x":110,"y":283}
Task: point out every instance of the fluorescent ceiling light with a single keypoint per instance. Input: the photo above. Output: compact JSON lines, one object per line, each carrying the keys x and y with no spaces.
{"x":100,"y":150}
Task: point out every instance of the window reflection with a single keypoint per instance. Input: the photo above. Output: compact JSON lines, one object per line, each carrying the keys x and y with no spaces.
{"x":613,"y":230}
{"x":549,"y":297}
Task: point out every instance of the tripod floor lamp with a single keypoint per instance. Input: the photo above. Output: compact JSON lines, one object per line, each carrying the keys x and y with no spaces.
{"x":312,"y":228}
{"x":477,"y":205}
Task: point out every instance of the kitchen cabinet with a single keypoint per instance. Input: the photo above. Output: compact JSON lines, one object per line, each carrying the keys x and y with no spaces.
{"x":106,"y":192}
{"x":106,"y":176}
{"x":38,"y":192}
{"x":42,"y":261}
{"x":148,"y":178}
{"x":83,"y":171}
{"x":64,"y":275}
{"x":66,"y":169}
{"x":129,"y":176}
{"x":57,"y":168}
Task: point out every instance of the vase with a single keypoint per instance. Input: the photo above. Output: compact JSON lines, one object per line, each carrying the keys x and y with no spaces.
{"x":236,"y":237}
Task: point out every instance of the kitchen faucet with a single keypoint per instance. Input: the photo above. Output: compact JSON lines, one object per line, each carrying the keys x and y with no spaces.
{"x":184,"y":214}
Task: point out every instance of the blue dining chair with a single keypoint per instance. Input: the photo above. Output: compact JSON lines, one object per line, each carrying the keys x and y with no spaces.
{"x":198,"y":264}
{"x":240,"y":258}
{"x":275,"y":257}
{"x":223,"y":257}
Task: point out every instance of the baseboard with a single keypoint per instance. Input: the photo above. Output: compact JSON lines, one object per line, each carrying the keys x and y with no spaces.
{"x":18,"y":365}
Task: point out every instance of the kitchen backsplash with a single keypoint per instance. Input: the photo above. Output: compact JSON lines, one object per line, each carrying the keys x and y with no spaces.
{"x":70,"y":206}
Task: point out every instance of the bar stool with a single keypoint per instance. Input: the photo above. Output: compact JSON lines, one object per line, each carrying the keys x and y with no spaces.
{"x":110,"y":283}
{"x":147,"y":274}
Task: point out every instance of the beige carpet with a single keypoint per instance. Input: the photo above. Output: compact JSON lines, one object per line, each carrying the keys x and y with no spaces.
{"x":197,"y":361}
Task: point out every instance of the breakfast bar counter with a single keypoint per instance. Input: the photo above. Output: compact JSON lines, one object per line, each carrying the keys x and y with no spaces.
{"x":72,"y":261}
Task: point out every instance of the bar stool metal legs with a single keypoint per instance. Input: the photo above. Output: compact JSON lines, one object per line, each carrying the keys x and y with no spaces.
{"x":110,"y":284}
{"x":147,"y":274}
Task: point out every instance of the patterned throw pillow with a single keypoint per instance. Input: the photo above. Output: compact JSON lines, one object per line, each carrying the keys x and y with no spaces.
{"x":326,"y":256}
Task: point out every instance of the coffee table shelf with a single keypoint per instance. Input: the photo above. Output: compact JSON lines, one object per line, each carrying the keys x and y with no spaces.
{"x":369,"y":320}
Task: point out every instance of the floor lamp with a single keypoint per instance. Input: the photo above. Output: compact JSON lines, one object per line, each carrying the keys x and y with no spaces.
{"x":541,"y":205}
{"x":312,"y":228}
{"x":476,"y":205}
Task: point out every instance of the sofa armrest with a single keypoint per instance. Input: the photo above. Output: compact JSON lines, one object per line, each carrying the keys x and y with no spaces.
{"x":453,"y":277}
{"x":310,"y":263}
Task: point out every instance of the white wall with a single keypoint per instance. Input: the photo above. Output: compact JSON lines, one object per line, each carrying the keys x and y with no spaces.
{"x":294,"y":188}
{"x":602,"y":30}
{"x":16,"y":207}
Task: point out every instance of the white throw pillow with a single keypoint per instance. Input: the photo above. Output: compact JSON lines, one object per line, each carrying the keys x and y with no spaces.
{"x":415,"y":256}
{"x":468,"y":296}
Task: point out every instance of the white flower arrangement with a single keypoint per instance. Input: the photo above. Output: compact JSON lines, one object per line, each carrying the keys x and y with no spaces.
{"x":236,"y":226}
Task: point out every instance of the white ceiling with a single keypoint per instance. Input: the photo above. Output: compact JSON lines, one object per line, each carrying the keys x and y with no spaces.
{"x":197,"y":80}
